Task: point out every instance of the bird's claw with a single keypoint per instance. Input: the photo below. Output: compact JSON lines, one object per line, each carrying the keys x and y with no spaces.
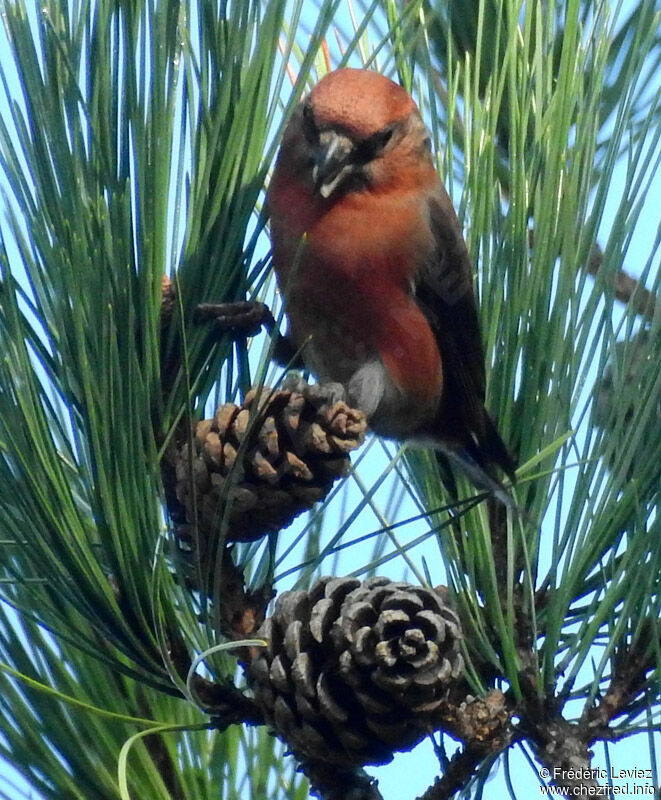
{"x":319,"y":394}
{"x":294,"y":382}
{"x":242,"y":318}
{"x":326,"y":394}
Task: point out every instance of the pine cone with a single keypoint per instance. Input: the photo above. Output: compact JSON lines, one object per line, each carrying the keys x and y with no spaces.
{"x":355,"y":671}
{"x":260,"y":464}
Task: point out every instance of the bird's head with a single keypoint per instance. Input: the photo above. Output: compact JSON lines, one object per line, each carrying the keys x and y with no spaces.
{"x":355,"y":129}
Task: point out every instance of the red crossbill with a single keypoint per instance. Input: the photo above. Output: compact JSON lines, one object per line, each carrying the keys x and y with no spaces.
{"x":374,"y":271}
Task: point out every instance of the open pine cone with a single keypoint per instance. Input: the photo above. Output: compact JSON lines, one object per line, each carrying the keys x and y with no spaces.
{"x":257,"y":466}
{"x":356,"y":671}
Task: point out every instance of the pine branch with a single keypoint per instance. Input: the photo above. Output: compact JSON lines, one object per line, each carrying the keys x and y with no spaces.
{"x":484,"y":726}
{"x":626,"y":685}
{"x":330,"y":783}
{"x":224,"y":701}
{"x":460,"y":769}
{"x":625,"y":287}
{"x":562,"y":748}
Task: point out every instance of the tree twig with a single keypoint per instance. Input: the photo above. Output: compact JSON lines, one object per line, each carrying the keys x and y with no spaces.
{"x":329,"y":782}
{"x":225,"y":702}
{"x":562,"y":748}
{"x":626,"y":684}
{"x":625,"y":287}
{"x":461,"y":768}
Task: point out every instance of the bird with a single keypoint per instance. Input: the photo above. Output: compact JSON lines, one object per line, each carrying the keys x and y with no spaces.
{"x":374,"y":272}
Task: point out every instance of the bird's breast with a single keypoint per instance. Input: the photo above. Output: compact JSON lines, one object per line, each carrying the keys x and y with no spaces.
{"x":346,"y":273}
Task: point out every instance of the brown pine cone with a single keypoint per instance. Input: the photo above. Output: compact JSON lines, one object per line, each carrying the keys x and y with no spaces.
{"x":356,"y":671}
{"x":258,"y":465}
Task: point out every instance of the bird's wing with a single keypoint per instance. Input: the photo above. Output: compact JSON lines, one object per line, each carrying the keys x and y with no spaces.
{"x":444,"y":292}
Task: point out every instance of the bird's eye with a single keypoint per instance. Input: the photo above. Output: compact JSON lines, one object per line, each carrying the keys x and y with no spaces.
{"x":371,"y":147}
{"x":382,"y":138}
{"x":310,"y":130}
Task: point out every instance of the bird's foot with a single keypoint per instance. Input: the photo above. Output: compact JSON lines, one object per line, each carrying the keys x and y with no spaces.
{"x":241,"y":318}
{"x":294,"y":382}
{"x":326,"y":394}
{"x":318,"y":394}
{"x":246,"y":318}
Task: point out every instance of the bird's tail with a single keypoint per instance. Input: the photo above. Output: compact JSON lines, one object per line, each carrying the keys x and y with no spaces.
{"x":480,"y":462}
{"x":494,"y":451}
{"x":478,"y":475}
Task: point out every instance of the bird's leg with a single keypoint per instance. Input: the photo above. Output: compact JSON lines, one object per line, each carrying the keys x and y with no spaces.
{"x":246,"y":318}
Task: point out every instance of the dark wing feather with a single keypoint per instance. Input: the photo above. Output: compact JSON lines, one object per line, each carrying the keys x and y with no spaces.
{"x":444,"y":292}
